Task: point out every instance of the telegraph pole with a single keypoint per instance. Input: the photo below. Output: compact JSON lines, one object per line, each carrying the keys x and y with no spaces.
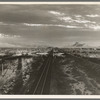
{"x":2,"y":67}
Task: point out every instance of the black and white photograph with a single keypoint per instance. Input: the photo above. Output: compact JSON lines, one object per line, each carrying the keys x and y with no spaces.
{"x":49,"y":49}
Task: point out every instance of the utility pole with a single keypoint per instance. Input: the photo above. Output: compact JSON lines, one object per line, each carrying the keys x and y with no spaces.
{"x":2,"y":67}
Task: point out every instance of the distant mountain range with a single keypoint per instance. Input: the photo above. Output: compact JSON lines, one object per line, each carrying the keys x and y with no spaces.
{"x":73,"y":45}
{"x":77,"y":44}
{"x":82,"y":45}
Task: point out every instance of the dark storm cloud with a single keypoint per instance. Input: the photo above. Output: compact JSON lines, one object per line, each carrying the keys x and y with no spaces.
{"x":22,"y":14}
{"x":55,"y":25}
{"x":38,"y":13}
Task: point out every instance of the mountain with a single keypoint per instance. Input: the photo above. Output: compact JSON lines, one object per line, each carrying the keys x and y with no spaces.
{"x":80,"y":45}
{"x":77,"y":44}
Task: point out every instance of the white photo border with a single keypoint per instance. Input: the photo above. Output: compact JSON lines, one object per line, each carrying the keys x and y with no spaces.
{"x":50,"y":97}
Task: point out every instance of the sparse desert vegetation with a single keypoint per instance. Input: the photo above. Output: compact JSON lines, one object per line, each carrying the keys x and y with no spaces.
{"x":73,"y":72}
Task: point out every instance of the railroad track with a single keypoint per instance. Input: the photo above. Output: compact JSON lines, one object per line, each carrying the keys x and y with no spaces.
{"x":41,"y":84}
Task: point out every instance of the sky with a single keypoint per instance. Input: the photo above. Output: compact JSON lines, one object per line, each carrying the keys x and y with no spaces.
{"x":49,"y":25}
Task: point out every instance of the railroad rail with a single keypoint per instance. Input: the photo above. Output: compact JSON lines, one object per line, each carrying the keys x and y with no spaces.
{"x":41,"y":84}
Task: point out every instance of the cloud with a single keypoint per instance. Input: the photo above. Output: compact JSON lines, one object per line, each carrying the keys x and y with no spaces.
{"x":54,"y":25}
{"x":95,"y":27}
{"x":61,"y":16}
{"x":77,"y":16}
{"x":3,"y":35}
{"x":69,"y":26}
{"x":1,"y":23}
{"x":82,"y":21}
{"x":93,"y":15}
{"x":15,"y":36}
{"x":77,"y":20}
{"x":66,"y":19}
{"x":8,"y":36}
{"x":27,"y":24}
{"x":56,"y":13}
